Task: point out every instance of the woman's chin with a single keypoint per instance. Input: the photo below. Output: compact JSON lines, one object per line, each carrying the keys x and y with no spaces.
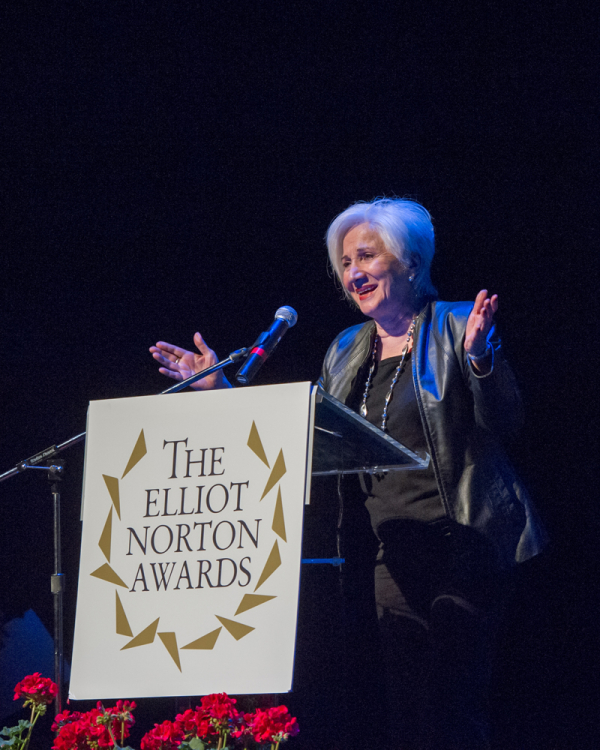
{"x":367,"y":305}
{"x":373,"y":308}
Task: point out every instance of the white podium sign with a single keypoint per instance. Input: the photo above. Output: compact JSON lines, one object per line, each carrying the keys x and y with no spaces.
{"x":191,"y":546}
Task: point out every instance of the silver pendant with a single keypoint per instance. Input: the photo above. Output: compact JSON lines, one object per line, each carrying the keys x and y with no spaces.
{"x":363,"y":410}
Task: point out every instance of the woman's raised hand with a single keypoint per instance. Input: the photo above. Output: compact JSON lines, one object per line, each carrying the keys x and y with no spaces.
{"x":480,"y":323}
{"x":179,"y":364}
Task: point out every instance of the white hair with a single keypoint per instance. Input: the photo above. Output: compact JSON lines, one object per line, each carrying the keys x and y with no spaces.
{"x":405,"y":228}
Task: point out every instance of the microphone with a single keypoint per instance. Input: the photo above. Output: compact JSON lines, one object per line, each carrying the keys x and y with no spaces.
{"x":264,"y":346}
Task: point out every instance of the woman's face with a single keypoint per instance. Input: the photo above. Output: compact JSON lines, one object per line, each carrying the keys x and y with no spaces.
{"x":376,"y":279}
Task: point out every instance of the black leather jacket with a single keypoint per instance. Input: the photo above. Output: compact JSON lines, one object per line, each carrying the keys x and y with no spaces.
{"x":465,"y":419}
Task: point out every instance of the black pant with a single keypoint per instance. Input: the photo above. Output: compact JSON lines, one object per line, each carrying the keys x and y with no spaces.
{"x":438,"y":595}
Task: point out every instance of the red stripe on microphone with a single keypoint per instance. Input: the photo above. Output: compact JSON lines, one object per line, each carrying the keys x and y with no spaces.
{"x":260,"y":351}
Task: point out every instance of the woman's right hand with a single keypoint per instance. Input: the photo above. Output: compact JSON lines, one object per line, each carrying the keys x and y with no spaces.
{"x":179,"y":364}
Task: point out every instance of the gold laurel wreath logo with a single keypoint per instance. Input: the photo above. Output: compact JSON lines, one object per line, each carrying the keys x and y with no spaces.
{"x":207,"y":641}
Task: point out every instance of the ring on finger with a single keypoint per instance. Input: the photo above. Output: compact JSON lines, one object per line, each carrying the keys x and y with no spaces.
{"x":177,"y":361}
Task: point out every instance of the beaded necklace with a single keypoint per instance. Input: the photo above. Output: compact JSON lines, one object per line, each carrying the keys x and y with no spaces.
{"x":363,"y":411}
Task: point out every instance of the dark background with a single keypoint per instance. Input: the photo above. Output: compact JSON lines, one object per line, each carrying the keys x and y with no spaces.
{"x":169,"y":167}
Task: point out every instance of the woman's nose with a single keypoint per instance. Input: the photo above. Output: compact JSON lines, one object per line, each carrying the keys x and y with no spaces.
{"x":353,"y":271}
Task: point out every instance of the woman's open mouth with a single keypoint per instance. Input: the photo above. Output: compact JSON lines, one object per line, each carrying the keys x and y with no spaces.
{"x":364,"y":291}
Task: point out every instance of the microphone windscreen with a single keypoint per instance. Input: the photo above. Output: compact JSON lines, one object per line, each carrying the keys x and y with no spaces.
{"x":288,"y":314}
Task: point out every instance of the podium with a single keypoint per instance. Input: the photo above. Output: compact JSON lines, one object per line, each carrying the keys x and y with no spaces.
{"x":345,"y":443}
{"x":192,"y":529}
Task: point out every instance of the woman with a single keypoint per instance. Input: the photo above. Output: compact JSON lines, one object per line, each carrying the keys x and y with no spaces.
{"x":446,"y":534}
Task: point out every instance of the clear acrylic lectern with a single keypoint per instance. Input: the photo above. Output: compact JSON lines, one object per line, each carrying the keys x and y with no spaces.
{"x":345,"y":443}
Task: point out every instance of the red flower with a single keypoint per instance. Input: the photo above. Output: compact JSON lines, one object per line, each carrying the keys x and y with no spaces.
{"x":244,"y":729}
{"x":119,"y":717}
{"x":36,"y":689}
{"x":165,"y":736}
{"x":272,"y":724}
{"x":123,"y":708}
{"x":196,"y":724}
{"x":71,"y":736}
{"x":66,"y":717}
{"x":215,"y":717}
{"x":94,"y":731}
{"x":220,"y":706}
{"x":77,"y":731}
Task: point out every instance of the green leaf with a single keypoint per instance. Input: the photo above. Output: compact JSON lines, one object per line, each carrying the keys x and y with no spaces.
{"x":197,"y":744}
{"x":185,"y":745}
{"x":19,"y":729}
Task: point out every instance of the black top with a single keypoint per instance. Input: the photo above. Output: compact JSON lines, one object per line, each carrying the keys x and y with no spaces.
{"x":410,"y":494}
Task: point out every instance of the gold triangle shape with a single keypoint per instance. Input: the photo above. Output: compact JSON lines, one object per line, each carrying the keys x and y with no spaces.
{"x":106,"y":536}
{"x":276,"y":473}
{"x":252,"y":600}
{"x":271,"y":565}
{"x":237,"y":629}
{"x":137,"y":454}
{"x":255,"y":444}
{"x":145,"y":637}
{"x":170,"y":643}
{"x":207,"y":642}
{"x":278,"y":519}
{"x":112,"y":485}
{"x":123,"y":627}
{"x":106,"y":573}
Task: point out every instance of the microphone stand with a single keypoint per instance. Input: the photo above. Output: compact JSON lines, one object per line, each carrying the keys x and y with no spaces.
{"x":55,"y":469}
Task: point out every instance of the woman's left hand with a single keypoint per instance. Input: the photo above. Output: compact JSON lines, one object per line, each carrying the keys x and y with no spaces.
{"x":480,"y":323}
